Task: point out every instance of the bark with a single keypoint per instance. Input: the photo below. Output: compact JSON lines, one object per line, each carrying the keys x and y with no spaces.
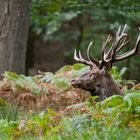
{"x":14,"y":24}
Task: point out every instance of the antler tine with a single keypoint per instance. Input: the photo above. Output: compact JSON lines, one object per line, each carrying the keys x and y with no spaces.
{"x":138,"y":39}
{"x":119,"y":37}
{"x":124,"y":42}
{"x":108,"y":58}
{"x":80,"y":55}
{"x":104,"y":55}
{"x":89,"y":55}
{"x":131,"y":52}
{"x":80,"y":59}
{"x":124,"y":29}
{"x":118,"y":32}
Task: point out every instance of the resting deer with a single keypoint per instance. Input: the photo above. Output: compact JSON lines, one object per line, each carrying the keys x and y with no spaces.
{"x":98,"y":80}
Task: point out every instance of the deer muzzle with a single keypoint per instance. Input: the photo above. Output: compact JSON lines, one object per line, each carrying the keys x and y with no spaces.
{"x":75,"y":83}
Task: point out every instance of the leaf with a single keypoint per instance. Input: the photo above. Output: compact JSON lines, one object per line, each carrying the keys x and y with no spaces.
{"x":80,"y":69}
{"x":116,"y":74}
{"x":111,"y":102}
{"x":12,"y":75}
{"x":80,"y":122}
{"x":132,"y":100}
{"x":21,"y":82}
{"x":136,"y":87}
{"x":47,"y":77}
{"x":78,"y":66}
{"x":61,"y":83}
{"x":65,"y":69}
{"x":123,"y":71}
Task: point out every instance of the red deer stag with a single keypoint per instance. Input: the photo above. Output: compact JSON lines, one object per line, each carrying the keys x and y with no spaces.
{"x":98,"y":80}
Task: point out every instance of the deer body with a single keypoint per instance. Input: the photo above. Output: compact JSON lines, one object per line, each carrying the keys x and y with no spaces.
{"x":98,"y":80}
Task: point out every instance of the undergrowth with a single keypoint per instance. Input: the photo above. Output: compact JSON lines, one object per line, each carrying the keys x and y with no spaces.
{"x":115,"y":118}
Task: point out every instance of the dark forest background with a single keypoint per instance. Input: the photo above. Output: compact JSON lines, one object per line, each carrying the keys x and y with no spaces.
{"x":58,"y":27}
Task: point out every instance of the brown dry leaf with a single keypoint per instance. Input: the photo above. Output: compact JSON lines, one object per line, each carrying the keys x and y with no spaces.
{"x":54,"y":99}
{"x":71,"y":110}
{"x":137,"y":86}
{"x":5,"y":85}
{"x":26,"y":100}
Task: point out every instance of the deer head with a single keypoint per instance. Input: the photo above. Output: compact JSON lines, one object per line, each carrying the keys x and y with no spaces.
{"x":98,"y":80}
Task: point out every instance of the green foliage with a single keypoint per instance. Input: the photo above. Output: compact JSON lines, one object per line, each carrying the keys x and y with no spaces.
{"x":68,"y":21}
{"x":121,"y":122}
{"x":117,"y":75}
{"x":21,"y":82}
{"x":117,"y":117}
{"x":133,"y":101}
{"x":49,"y":16}
{"x":111,"y":119}
{"x":61,"y":82}
{"x":9,"y":112}
{"x":47,"y":77}
{"x":111,"y":102}
{"x":80,"y":69}
{"x":6,"y":128}
{"x":2,"y":102}
{"x":65,"y":69}
{"x":61,"y":79}
{"x":54,"y":19}
{"x":40,"y":124}
{"x":81,"y":122}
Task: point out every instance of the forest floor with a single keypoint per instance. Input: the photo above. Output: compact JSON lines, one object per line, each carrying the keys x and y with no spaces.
{"x":46,"y":106}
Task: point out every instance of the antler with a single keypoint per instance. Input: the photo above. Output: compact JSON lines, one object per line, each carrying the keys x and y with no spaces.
{"x":120,"y":40}
{"x":91,"y":61}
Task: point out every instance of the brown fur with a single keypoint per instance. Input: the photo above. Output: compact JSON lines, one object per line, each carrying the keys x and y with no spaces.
{"x":98,"y":82}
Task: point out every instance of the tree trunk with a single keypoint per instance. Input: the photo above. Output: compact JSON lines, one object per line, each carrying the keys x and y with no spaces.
{"x":14,"y":24}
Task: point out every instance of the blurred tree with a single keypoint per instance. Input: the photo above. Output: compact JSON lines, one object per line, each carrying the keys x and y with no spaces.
{"x":14,"y":23}
{"x":49,"y":16}
{"x":77,"y":22}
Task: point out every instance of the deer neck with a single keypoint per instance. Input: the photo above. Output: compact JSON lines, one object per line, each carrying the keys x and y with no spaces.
{"x":107,"y":88}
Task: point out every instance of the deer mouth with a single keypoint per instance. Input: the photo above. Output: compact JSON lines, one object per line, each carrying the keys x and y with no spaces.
{"x":75,"y":83}
{"x":75,"y":86}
